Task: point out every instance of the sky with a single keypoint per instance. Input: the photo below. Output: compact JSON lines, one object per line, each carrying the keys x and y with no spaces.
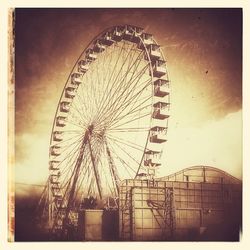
{"x":203,"y":50}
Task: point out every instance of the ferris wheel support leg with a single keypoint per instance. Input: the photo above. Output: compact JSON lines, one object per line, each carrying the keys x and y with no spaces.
{"x":74,"y":177}
{"x":97,"y":175}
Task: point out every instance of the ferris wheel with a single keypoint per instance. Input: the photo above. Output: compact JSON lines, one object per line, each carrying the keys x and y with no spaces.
{"x":111,"y":120}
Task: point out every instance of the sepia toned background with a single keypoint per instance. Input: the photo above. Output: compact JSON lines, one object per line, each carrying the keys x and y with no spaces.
{"x":203,"y":51}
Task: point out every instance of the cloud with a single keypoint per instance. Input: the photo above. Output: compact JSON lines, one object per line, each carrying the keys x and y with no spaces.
{"x":217,"y":143}
{"x":31,"y":166}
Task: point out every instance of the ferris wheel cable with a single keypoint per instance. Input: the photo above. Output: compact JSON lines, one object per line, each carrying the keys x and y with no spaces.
{"x":77,"y":108}
{"x":83,"y":113}
{"x":86,"y":103}
{"x":104,"y":69}
{"x":84,"y":99}
{"x":107,"y":72}
{"x":125,"y":57}
{"x":109,"y":98}
{"x":129,"y":129}
{"x":107,"y":181}
{"x":120,"y":115}
{"x":131,"y":102}
{"x":78,"y":131}
{"x":137,"y":118}
{"x":122,"y":141}
{"x":67,"y":169}
{"x":113,"y":169}
{"x":107,"y":101}
{"x":129,"y":60}
{"x":127,"y":115}
{"x":131,"y":112}
{"x":135,"y":97}
{"x":72,"y":123}
{"x":69,"y":145}
{"x":67,"y":140}
{"x":81,"y":116}
{"x":118,"y":99}
{"x":70,"y":159}
{"x":123,"y":163}
{"x":109,"y":80}
{"x":116,"y":92}
{"x":124,"y":150}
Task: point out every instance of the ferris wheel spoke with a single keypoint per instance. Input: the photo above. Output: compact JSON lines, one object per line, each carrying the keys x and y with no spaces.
{"x":109,"y":79}
{"x":106,"y":69}
{"x":111,"y":96}
{"x":122,"y":81}
{"x":69,"y":157}
{"x":132,"y":120}
{"x":69,"y":121}
{"x":121,"y":75}
{"x":126,"y":142}
{"x":79,"y":115}
{"x":82,"y":105}
{"x":124,"y":151}
{"x":121,"y":116}
{"x":125,"y":165}
{"x":132,"y":100}
{"x":132,"y":130}
{"x":66,"y":164}
{"x":75,"y":137}
{"x":119,"y":99}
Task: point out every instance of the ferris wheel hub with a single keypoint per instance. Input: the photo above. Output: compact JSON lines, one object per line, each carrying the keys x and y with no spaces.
{"x":90,"y":128}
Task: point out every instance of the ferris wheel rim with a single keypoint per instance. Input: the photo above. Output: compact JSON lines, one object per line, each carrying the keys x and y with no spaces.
{"x":73,"y":70}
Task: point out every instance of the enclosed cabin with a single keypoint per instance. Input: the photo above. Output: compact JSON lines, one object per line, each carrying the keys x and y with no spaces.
{"x":70,"y":92}
{"x":132,"y":33}
{"x":83,"y":66}
{"x":60,"y":121}
{"x":161,"y":110}
{"x":159,"y":68}
{"x":154,"y":51}
{"x":91,"y":55}
{"x":54,"y":177}
{"x":158,"y":134}
{"x":161,"y":87}
{"x":99,"y":46}
{"x":107,"y":39}
{"x":118,"y":33}
{"x":147,"y":39}
{"x":56,"y":191}
{"x":54,"y":165}
{"x":57,"y":136}
{"x":65,"y":107}
{"x":55,"y":150}
{"x":76,"y":79}
{"x":152,"y":158}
